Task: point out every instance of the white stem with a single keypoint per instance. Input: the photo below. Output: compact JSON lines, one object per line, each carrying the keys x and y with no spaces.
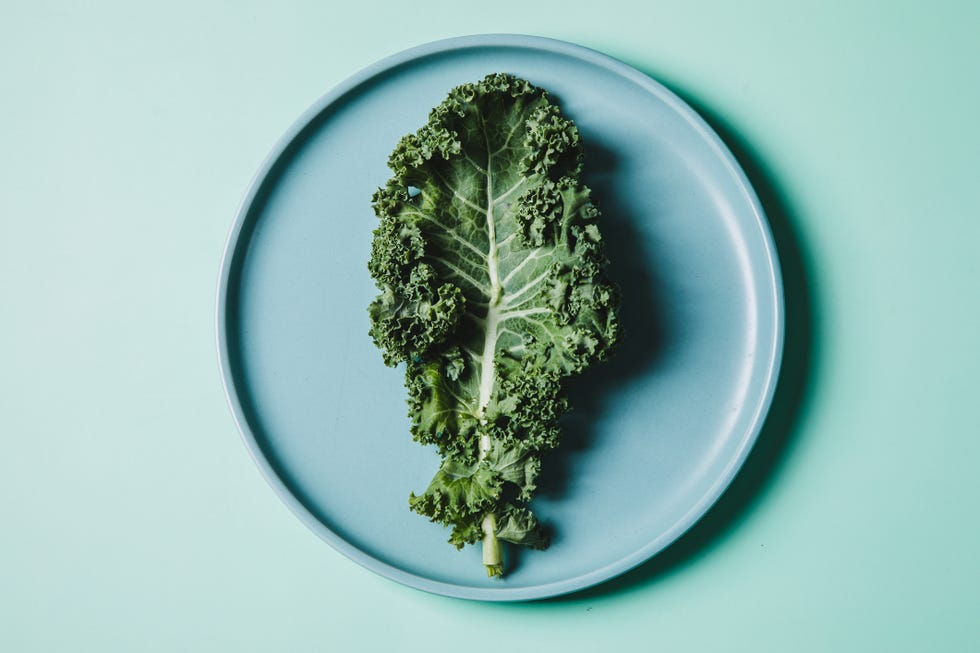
{"x":493,"y":554}
{"x":493,"y":311}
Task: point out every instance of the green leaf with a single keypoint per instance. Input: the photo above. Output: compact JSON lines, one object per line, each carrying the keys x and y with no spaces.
{"x":489,"y":262}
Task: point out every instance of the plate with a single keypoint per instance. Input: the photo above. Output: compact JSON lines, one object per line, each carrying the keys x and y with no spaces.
{"x":657,"y":433}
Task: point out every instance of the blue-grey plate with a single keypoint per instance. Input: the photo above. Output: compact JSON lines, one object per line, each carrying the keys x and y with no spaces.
{"x":658,"y":432}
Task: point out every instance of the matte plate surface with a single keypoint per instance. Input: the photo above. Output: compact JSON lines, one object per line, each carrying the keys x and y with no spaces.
{"x":656,"y":434}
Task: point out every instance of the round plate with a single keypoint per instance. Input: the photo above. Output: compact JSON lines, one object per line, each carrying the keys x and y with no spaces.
{"x":655,"y":435}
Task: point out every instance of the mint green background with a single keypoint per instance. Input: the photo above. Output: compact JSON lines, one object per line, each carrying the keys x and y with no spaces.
{"x":132,"y":517}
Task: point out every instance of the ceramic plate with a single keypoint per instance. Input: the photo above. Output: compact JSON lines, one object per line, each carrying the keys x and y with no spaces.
{"x":657,"y":433}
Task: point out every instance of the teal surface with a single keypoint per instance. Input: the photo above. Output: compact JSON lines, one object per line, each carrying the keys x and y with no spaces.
{"x":134,"y":519}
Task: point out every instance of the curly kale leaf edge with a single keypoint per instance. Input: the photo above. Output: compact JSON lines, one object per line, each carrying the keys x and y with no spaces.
{"x":490,"y":266}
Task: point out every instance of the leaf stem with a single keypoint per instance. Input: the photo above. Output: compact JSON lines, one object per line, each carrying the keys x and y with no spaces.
{"x":493,"y":555}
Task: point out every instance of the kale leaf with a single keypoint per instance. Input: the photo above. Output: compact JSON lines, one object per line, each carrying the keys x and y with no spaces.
{"x":492,"y":282}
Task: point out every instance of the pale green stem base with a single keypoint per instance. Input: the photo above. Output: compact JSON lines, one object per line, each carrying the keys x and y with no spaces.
{"x":493,"y":554}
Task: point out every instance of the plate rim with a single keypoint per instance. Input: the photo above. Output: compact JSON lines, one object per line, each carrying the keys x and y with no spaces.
{"x":230,"y":258}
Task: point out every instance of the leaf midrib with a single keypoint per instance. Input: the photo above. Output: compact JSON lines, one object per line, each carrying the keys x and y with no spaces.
{"x":490,"y":324}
